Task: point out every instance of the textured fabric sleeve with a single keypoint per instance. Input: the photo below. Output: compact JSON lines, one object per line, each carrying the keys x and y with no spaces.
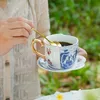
{"x":43,"y":23}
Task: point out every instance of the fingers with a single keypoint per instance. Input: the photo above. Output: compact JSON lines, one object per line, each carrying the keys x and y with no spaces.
{"x":82,"y":52}
{"x":19,"y":25}
{"x":21,"y":19}
{"x":26,"y":20}
{"x":19,"y":32}
{"x":12,"y":19}
{"x":2,"y":22}
{"x":18,"y":40}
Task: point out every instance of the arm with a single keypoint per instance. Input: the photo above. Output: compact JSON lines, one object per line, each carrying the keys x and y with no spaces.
{"x":43,"y":23}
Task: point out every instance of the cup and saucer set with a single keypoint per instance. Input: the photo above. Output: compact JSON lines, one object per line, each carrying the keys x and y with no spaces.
{"x":60,"y":59}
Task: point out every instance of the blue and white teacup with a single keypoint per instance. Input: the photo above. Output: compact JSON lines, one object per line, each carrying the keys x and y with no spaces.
{"x":58,"y":57}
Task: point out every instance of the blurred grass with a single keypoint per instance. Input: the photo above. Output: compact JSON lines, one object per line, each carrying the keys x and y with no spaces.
{"x":80,"y":18}
{"x":86,"y":78}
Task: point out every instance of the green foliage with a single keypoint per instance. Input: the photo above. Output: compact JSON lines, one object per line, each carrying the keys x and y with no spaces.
{"x":86,"y":78}
{"x":49,"y":83}
{"x":80,"y":18}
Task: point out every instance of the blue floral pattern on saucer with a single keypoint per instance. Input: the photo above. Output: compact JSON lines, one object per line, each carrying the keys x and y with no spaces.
{"x":79,"y":63}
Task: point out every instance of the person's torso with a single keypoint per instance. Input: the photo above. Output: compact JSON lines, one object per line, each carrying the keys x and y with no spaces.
{"x":18,"y":70}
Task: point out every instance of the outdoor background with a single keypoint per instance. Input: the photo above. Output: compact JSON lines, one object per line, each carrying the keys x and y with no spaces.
{"x":80,"y":18}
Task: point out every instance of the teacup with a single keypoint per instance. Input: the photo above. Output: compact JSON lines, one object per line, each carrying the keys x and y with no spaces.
{"x":58,"y":57}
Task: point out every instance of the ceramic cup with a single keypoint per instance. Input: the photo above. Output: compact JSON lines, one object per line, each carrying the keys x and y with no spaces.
{"x":58,"y":57}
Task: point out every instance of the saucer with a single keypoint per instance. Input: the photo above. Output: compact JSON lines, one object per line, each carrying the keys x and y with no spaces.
{"x":80,"y":63}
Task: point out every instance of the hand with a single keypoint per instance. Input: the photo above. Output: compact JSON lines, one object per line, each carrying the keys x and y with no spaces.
{"x":12,"y":32}
{"x":82,"y":52}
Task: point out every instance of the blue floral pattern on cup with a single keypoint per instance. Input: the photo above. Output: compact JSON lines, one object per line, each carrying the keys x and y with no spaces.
{"x":67,"y":59}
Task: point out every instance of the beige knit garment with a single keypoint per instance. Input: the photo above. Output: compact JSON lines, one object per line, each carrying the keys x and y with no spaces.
{"x":18,"y":70}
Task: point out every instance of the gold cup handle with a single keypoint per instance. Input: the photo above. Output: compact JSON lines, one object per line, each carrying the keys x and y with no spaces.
{"x":34,"y":41}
